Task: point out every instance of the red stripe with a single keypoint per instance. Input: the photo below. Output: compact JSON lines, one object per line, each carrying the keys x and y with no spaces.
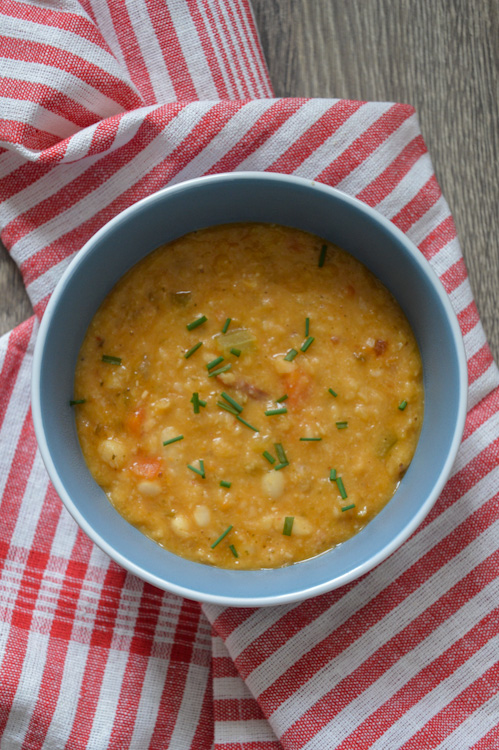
{"x":209,"y":52}
{"x":233,"y":52}
{"x":454,"y":276}
{"x":483,"y":411}
{"x":490,"y":741}
{"x":102,"y":635}
{"x":424,"y":199}
{"x":363,"y":619}
{"x":65,"y":20}
{"x":247,"y":13}
{"x":114,"y":88}
{"x":241,"y":55}
{"x":21,"y":178}
{"x":105,"y":134}
{"x":176,"y":675}
{"x":50,"y":99}
{"x":252,"y":745}
{"x":319,"y":132}
{"x":77,"y":189}
{"x":140,"y":650}
{"x":221,"y":49}
{"x":444,"y":233}
{"x":204,"y":735}
{"x":269,"y":123}
{"x":130,"y":49}
{"x":430,"y":676}
{"x":479,"y":363}
{"x":25,"y":604}
{"x":60,"y":635}
{"x":457,"y":710}
{"x":223,"y":666}
{"x":384,"y":183}
{"x":363,"y":146}
{"x":468,"y":318}
{"x":175,"y":62}
{"x":194,"y":142}
{"x":28,"y":136}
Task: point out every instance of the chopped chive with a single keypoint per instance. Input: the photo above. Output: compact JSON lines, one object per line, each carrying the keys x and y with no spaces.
{"x":332,"y":475}
{"x":402,"y":405}
{"x":222,"y":536}
{"x":195,"y":323}
{"x":173,"y":440}
{"x":322,"y":256}
{"x":283,"y":398}
{"x":233,"y":550}
{"x":288,"y":525}
{"x":219,"y":371}
{"x":235,"y":352}
{"x":193,"y":349}
{"x":111,"y":360}
{"x":341,"y":425}
{"x":223,"y":483}
{"x":214,"y":363}
{"x":291,"y":355}
{"x":76,"y":401}
{"x":232,"y":402}
{"x":333,"y":393}
{"x":255,"y":429}
{"x":270,"y":458}
{"x":348,"y":507}
{"x":311,"y":440}
{"x":226,"y":325}
{"x":274,"y":412}
{"x":199,"y":471}
{"x":280,"y":453}
{"x":307,"y":326}
{"x":195,"y":402}
{"x":341,"y":488}
{"x":307,"y":343}
{"x":228,"y":408}
{"x":282,"y":465}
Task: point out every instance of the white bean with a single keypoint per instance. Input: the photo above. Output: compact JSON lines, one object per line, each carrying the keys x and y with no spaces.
{"x":149,"y":488}
{"x":113,"y":452}
{"x":202,"y":515}
{"x":273,"y":484}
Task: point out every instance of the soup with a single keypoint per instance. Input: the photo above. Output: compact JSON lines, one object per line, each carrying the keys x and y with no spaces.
{"x":249,"y":396}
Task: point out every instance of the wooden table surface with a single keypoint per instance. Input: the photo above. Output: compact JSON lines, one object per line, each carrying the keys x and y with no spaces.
{"x":438,"y":55}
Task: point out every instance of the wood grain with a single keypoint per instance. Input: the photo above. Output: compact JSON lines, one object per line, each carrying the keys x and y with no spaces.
{"x":438,"y":55}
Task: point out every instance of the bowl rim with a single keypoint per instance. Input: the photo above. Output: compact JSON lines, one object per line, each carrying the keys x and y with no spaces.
{"x":303,"y":592}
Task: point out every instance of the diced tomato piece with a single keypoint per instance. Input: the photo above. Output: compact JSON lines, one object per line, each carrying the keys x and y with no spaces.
{"x":134,"y":421}
{"x":298,"y":385}
{"x":148,"y":467}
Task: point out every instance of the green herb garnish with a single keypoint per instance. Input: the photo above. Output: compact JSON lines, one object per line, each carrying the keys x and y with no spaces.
{"x":222,"y":536}
{"x":232,"y":402}
{"x":341,"y":425}
{"x":233,"y":550}
{"x":226,"y":325}
{"x":111,"y":360}
{"x":288,"y":525}
{"x":333,"y":393}
{"x":341,"y":488}
{"x":291,"y":355}
{"x":223,"y":483}
{"x":255,"y":429}
{"x":283,"y":398}
{"x":173,"y":440}
{"x":235,"y":352}
{"x":322,"y":256}
{"x":270,"y":458}
{"x":199,"y":471}
{"x":195,"y":402}
{"x":275,"y":412}
{"x":214,"y":363}
{"x":402,"y":405}
{"x":219,"y":371}
{"x":280,"y":453}
{"x":348,"y":507}
{"x":195,"y":323}
{"x":76,"y":401}
{"x":307,"y":343}
{"x":282,"y":465}
{"x":307,"y":326}
{"x":228,"y":408}
{"x":311,"y":440}
{"x":193,"y":349}
{"x":332,"y":475}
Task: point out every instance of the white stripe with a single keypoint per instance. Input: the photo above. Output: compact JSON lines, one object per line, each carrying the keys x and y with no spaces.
{"x":23,"y":111}
{"x":475,"y":726}
{"x":241,"y":732}
{"x":381,"y":158}
{"x":45,"y":284}
{"x":149,"y":703}
{"x":449,"y":254}
{"x":110,"y":693}
{"x":104,"y":24}
{"x":217,"y":50}
{"x":66,"y":41}
{"x":429,"y":221}
{"x":461,"y":296}
{"x":75,"y":88}
{"x":228,"y":38}
{"x":483,"y":385}
{"x":404,"y":192}
{"x":334,"y":146}
{"x":253,"y":78}
{"x":430,"y":705}
{"x":10,"y":162}
{"x":65,"y":535}
{"x":28,"y":688}
{"x":256,"y":50}
{"x":474,"y":341}
{"x":30,"y":505}
{"x":67,"y":696}
{"x":187,"y":719}
{"x":412,"y":663}
{"x":194,"y":56}
{"x":476,"y":443}
{"x":151,"y":52}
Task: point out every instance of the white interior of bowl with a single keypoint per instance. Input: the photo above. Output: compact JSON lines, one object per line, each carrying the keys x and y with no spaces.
{"x":249,"y":197}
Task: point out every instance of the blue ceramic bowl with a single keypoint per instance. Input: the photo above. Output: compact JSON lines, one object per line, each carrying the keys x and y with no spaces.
{"x":220,"y":199}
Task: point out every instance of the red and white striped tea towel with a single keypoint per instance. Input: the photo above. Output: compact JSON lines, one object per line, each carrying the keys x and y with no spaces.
{"x":103,"y":102}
